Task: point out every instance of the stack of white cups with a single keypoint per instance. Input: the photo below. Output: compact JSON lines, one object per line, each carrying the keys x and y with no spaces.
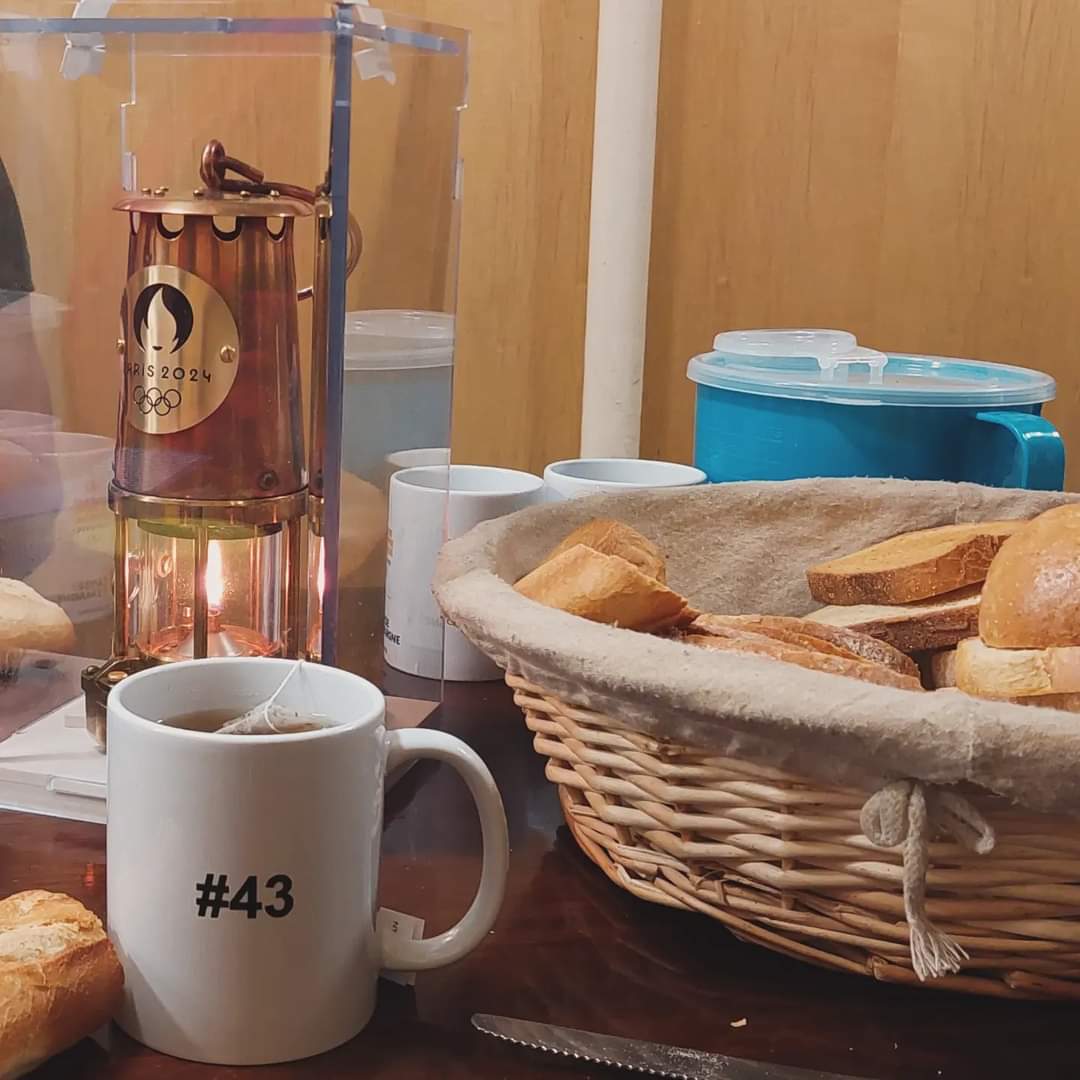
{"x":430,"y":503}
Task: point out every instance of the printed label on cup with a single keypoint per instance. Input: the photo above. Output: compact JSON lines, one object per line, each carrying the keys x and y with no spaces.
{"x":213,"y":895}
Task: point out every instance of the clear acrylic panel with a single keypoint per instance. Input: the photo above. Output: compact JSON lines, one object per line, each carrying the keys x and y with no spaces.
{"x":121,"y":103}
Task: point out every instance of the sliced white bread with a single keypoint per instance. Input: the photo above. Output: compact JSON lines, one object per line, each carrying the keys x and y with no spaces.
{"x":916,"y":627}
{"x":819,"y":637}
{"x":1032,"y":593}
{"x":912,"y":566}
{"x":985,"y":671}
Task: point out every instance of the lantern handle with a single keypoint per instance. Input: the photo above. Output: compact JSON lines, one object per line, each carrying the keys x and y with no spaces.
{"x":216,"y":163}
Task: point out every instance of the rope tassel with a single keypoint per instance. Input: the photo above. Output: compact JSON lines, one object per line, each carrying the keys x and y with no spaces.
{"x":904,"y":812}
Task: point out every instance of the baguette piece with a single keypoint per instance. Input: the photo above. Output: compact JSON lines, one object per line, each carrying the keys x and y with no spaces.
{"x":614,"y":538}
{"x":605,"y":589}
{"x":60,"y":979}
{"x":918,"y":627}
{"x":984,"y":671}
{"x":818,"y":637}
{"x":1032,"y":594}
{"x":760,"y":645}
{"x":912,"y":566}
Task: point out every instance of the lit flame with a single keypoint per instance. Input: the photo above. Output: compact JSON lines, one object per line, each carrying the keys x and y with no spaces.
{"x":321,"y":576}
{"x":215,"y":575}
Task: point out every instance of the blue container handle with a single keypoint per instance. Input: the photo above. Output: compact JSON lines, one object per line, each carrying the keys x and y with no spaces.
{"x":1039,"y":462}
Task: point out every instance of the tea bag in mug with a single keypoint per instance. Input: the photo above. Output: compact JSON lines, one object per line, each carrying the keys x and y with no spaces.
{"x":269,"y":718}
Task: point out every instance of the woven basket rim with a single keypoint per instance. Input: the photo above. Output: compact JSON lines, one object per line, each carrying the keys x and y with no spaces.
{"x":1029,"y":755}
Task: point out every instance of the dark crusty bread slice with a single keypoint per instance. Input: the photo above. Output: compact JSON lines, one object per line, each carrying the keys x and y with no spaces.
{"x":760,"y":645}
{"x":917,"y":627}
{"x":615,"y":538}
{"x":605,"y":589}
{"x":912,"y":566}
{"x":819,"y":637}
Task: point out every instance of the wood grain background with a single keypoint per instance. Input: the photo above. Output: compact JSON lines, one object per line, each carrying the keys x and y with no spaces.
{"x":902,"y":168}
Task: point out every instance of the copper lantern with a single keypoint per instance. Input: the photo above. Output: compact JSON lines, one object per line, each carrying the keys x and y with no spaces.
{"x":210,"y":487}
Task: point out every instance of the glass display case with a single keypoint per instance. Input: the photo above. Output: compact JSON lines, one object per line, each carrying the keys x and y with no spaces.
{"x":212,"y":215}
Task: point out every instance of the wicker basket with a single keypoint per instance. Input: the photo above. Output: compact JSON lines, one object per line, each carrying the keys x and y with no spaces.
{"x":782,"y":862}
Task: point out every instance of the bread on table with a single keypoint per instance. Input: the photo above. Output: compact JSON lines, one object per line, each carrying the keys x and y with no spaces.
{"x":614,"y":538}
{"x":60,"y":979}
{"x":912,"y":566}
{"x":606,"y":589}
{"x":29,"y":621}
{"x":919,"y":626}
{"x":1032,"y":593}
{"x":818,"y":637}
{"x":743,"y":641}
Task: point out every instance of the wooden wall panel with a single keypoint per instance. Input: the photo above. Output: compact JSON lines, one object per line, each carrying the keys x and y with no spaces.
{"x":901,"y":168}
{"x":525,"y":139}
{"x":526,"y":145}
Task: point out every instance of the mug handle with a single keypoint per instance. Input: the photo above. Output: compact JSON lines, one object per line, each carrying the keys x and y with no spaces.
{"x":400,"y":954}
{"x":1039,"y":462}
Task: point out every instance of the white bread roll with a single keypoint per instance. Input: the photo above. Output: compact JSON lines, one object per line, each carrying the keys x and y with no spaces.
{"x":29,"y":621}
{"x":60,"y":979}
{"x":1031,"y":598}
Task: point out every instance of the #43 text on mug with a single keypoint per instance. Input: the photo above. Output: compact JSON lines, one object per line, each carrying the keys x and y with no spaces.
{"x":212,"y":896}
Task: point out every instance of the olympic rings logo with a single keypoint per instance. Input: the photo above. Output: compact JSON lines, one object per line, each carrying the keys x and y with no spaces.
{"x":151,"y":400}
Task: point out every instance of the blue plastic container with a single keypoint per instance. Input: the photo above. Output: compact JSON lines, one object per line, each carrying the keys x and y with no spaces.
{"x":783,"y":404}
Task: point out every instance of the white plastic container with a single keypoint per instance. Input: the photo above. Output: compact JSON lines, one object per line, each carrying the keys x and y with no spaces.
{"x":398,"y":368}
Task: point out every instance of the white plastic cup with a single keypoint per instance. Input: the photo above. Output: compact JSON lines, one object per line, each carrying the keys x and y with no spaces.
{"x":15,"y":421}
{"x":56,"y":529}
{"x":428,"y":506}
{"x":577,"y":477}
{"x":398,"y":368}
{"x":412,"y":459}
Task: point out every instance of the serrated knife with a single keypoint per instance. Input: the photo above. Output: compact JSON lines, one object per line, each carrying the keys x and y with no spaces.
{"x":654,"y":1059}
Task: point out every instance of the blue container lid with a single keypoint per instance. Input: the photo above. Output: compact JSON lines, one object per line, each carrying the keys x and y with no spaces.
{"x":830,"y":365}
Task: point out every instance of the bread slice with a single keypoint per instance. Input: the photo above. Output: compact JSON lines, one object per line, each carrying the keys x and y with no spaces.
{"x":940,"y":668}
{"x":60,"y":979}
{"x":1032,"y":594}
{"x":818,"y":637}
{"x":605,"y":589}
{"x":912,"y":566}
{"x":917,"y":627}
{"x":985,"y":671}
{"x":615,"y":538}
{"x":760,"y":645}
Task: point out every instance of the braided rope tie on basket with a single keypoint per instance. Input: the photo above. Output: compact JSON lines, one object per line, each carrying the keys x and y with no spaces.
{"x":907,"y":812}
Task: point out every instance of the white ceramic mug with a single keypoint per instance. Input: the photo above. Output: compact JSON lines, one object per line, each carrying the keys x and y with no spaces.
{"x":576,"y":477}
{"x":429,"y":505}
{"x":243,"y":870}
{"x":411,"y":459}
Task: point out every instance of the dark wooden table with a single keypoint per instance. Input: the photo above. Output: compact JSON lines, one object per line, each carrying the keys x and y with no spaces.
{"x":571,"y":948}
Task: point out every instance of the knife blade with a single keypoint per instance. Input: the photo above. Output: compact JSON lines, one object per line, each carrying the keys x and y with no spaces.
{"x":654,"y":1059}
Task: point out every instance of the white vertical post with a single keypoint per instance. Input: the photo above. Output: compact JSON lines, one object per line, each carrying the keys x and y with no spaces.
{"x":620,"y":224}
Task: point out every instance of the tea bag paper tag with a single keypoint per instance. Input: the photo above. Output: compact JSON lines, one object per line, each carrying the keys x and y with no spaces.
{"x":395,"y":923}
